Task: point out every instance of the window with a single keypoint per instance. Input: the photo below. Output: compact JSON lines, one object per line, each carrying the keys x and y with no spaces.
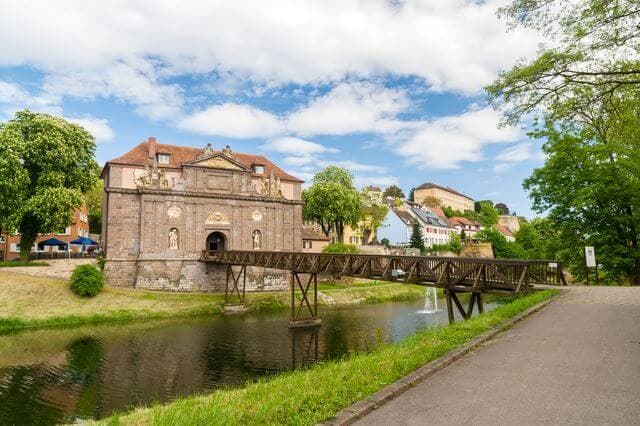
{"x":258,"y":169}
{"x":353,"y":240}
{"x":164,"y":158}
{"x":14,"y":248}
{"x":65,"y":231}
{"x":307,"y":244}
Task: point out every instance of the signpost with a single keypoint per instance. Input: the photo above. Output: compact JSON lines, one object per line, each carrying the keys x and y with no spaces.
{"x":590,"y":262}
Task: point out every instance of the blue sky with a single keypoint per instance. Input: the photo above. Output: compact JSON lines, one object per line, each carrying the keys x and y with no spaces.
{"x":392,"y":90}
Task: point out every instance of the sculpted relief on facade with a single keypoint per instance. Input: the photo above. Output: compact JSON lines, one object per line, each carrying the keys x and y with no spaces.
{"x":216,"y":218}
{"x":174,"y":212}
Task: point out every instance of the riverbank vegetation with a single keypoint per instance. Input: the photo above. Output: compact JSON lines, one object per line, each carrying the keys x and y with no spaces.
{"x":583,"y":91}
{"x":30,"y":302}
{"x":313,"y":395}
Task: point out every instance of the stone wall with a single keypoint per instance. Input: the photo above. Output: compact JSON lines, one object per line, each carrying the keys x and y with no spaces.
{"x":142,"y":254}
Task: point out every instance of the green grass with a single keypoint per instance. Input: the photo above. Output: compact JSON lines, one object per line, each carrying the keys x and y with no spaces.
{"x":313,"y":395}
{"x":9,"y":263}
{"x":28,"y":302}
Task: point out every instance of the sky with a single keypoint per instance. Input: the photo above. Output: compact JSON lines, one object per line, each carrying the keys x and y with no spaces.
{"x":391,"y":90}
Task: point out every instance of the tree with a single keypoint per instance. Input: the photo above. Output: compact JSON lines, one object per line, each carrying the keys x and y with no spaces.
{"x":417,"y":237}
{"x":374,"y":210}
{"x":431,"y":201}
{"x":332,"y":201}
{"x":595,"y":45}
{"x":46,"y":166}
{"x":411,"y":197}
{"x":501,"y":247}
{"x":94,"y":207}
{"x":463,"y":235}
{"x":590,"y":184}
{"x":528,"y":238}
{"x":393,"y":191}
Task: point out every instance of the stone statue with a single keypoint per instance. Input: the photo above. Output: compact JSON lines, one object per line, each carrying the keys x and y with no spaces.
{"x":226,"y":151}
{"x":256,"y":239}
{"x":206,"y":151}
{"x":173,"y":239}
{"x":271,"y":187}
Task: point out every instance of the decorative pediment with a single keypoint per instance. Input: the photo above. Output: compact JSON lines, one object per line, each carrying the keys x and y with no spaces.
{"x":216,"y":218}
{"x":219,"y":161}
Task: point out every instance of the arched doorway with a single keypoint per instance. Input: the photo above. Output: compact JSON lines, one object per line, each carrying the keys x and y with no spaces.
{"x":216,"y":241}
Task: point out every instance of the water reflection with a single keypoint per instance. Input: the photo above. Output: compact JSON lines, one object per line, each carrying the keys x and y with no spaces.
{"x":51,"y":376}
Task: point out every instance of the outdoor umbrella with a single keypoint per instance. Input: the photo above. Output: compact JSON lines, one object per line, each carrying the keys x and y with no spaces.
{"x":53,"y":242}
{"x":84,"y":242}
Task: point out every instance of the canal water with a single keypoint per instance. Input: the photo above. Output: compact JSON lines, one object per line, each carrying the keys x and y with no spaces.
{"x":62,"y":375}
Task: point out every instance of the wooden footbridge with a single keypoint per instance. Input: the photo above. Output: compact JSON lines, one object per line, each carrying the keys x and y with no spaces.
{"x":453,"y":274}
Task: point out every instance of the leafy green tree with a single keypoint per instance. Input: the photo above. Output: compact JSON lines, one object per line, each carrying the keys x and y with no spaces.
{"x":463,"y":235}
{"x":332,"y":201}
{"x":94,"y":207}
{"x":431,"y":201}
{"x":46,"y":166}
{"x":393,"y":191}
{"x":529,"y":239}
{"x":411,"y":193}
{"x":340,"y":248}
{"x":590,"y":185}
{"x":501,"y":247}
{"x":594,"y":45}
{"x":417,"y":237}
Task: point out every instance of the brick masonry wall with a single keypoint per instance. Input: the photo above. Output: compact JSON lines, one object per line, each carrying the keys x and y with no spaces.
{"x":139,"y":253}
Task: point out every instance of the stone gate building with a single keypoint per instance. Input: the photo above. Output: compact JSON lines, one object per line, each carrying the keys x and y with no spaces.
{"x":165,"y":204}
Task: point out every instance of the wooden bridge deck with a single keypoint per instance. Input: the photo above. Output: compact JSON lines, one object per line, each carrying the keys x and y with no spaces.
{"x":453,"y":274}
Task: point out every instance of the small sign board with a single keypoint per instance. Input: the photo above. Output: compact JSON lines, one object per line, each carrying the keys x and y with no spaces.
{"x":590,"y":256}
{"x":553,"y":265}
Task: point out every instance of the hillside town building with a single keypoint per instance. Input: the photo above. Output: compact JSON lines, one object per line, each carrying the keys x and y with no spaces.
{"x":78,"y":228}
{"x":397,"y":226}
{"x":165,"y":204}
{"x":448,"y":197}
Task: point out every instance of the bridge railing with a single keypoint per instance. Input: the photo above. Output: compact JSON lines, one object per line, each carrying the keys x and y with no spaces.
{"x":481,"y":273}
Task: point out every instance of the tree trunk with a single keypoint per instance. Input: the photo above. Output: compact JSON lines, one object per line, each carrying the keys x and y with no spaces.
{"x":28,"y":235}
{"x":340,"y":232}
{"x":635,"y":280}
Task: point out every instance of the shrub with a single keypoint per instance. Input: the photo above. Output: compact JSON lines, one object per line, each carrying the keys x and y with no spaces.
{"x":101,"y":261}
{"x":86,"y":280}
{"x":340,"y":248}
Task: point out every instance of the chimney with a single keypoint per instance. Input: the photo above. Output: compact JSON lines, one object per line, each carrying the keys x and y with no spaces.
{"x":152,"y":147}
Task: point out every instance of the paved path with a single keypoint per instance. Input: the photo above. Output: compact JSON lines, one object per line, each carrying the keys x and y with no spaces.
{"x":575,"y":362}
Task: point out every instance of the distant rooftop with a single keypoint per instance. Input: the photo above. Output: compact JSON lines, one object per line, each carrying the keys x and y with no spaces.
{"x":429,"y":185}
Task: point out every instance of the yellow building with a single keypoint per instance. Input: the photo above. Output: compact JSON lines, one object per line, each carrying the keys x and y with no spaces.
{"x":448,"y":197}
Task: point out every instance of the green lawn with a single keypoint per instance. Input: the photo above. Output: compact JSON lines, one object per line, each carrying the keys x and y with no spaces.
{"x":311,"y":396}
{"x":28,"y":301}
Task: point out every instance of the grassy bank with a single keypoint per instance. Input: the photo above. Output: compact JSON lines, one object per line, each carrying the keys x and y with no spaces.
{"x":310,"y":396}
{"x":31,"y":302}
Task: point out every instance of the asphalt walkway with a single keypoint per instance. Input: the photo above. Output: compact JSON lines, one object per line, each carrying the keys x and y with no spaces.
{"x":575,"y":362}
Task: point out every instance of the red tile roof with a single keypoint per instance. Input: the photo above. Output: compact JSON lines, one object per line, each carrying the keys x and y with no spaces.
{"x":504,"y":230}
{"x":309,"y":233}
{"x":180,"y":155}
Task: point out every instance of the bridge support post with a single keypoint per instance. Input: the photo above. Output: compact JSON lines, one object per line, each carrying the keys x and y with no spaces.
{"x":304,"y":312}
{"x":452,"y":299}
{"x":232,"y":289}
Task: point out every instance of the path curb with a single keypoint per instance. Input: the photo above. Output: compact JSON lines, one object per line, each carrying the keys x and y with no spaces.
{"x":352,"y":413}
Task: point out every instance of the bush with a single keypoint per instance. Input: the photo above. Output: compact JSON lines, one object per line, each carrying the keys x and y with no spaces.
{"x":340,"y":248}
{"x":86,"y":280}
{"x":101,"y":261}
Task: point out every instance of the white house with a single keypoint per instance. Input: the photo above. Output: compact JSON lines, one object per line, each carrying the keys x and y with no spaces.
{"x":436,"y":230}
{"x":396,"y":227}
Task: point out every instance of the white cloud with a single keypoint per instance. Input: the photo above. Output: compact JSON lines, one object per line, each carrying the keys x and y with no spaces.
{"x":445,"y":142}
{"x":98,"y":127}
{"x":455,"y":45}
{"x":296,"y":146}
{"x":234,"y":121}
{"x":381,"y":181}
{"x":349,"y":108}
{"x":508,"y":157}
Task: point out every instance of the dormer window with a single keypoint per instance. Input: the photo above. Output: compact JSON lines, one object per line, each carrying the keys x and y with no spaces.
{"x":258,"y":169}
{"x":164,"y":158}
